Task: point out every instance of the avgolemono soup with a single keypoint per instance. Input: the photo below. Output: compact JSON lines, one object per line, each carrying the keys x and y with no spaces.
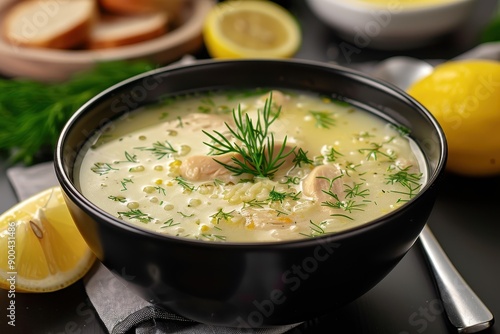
{"x":250,"y":166}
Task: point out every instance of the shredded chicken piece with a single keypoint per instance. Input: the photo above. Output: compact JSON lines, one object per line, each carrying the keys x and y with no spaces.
{"x":323,"y":178}
{"x":205,"y":168}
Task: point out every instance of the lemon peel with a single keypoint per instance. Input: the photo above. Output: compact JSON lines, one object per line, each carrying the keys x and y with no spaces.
{"x":42,"y":249}
{"x":464,"y":96}
{"x":251,"y":29}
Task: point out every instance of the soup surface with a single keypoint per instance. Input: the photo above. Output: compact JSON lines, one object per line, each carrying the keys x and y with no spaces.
{"x":250,"y":166}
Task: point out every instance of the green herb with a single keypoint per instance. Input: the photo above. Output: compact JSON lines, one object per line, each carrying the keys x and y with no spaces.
{"x":332,"y":155}
{"x":330,"y":183}
{"x":350,"y":167}
{"x":258,"y":146}
{"x":124,"y":183}
{"x":255,"y":203}
{"x":34,"y":113}
{"x":356,"y":191}
{"x":169,"y":223}
{"x":159,"y":149}
{"x":161,"y":190}
{"x":120,"y":199}
{"x":213,"y":237}
{"x":221,"y":215}
{"x":129,"y":158}
{"x":410,"y":181}
{"x":136,"y":214}
{"x":348,"y":206}
{"x":375,"y":150}
{"x":301,"y":158}
{"x":208,"y":106}
{"x":316,"y":229}
{"x":185,"y":215}
{"x":276,"y":196}
{"x":324,"y":119}
{"x":184,"y":184}
{"x":403,"y":130}
{"x":102,"y":168}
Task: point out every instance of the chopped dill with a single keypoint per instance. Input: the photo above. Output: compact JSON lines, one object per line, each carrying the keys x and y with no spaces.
{"x":159,"y":149}
{"x":102,"y":168}
{"x":316,"y":230}
{"x":324,"y":119}
{"x":136,"y":214}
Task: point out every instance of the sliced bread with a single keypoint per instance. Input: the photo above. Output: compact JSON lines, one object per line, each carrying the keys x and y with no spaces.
{"x":172,"y":7}
{"x":62,"y":24}
{"x":113,"y":31}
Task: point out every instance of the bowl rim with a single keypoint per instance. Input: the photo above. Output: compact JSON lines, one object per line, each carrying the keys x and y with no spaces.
{"x":71,"y":190}
{"x":366,"y":6}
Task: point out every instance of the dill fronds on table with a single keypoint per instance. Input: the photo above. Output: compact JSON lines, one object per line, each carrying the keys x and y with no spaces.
{"x":32,"y":113}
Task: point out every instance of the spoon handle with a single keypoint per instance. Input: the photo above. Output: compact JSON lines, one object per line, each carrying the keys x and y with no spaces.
{"x":464,"y":308}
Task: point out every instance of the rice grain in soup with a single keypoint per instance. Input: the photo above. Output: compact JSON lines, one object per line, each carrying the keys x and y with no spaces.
{"x":250,"y":167}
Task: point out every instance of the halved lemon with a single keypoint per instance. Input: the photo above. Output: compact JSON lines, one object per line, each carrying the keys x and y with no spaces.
{"x":41,"y":249}
{"x":251,"y":29}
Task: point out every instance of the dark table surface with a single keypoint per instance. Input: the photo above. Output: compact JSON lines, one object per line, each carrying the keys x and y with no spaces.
{"x":465,"y":219}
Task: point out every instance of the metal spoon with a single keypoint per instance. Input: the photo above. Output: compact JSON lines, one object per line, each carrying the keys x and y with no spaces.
{"x":463,"y":307}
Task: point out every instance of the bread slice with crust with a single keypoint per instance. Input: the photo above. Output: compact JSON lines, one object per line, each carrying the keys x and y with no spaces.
{"x":61,"y":24}
{"x":112,"y":31}
{"x":142,"y":6}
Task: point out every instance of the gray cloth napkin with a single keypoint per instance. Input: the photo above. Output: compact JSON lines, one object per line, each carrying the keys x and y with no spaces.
{"x":119,"y":308}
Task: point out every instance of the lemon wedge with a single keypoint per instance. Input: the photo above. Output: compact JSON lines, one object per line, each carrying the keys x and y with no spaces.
{"x":41,"y":248}
{"x":251,"y":29}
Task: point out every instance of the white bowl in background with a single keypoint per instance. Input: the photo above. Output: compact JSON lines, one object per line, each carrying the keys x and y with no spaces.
{"x":392,"y":26}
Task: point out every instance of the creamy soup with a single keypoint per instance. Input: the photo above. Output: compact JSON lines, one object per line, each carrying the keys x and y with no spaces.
{"x":250,"y":166}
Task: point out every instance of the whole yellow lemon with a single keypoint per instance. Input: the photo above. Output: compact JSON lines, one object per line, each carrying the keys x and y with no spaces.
{"x":464,"y":96}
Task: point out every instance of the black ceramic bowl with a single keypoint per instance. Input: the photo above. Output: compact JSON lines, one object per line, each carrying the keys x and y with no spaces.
{"x":252,"y":284}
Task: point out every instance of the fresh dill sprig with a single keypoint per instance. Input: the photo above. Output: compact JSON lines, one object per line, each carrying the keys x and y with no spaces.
{"x":136,"y":214}
{"x":257,"y":147}
{"x":254,"y":203}
{"x":356,"y":191}
{"x":159,"y":149}
{"x":324,"y":119}
{"x":129,"y":158}
{"x":184,"y":184}
{"x":33,"y":113}
{"x":124,"y":183}
{"x":221,"y":215}
{"x":301,"y":158}
{"x":410,"y":181}
{"x":169,"y":223}
{"x":375,"y":151}
{"x":278,"y":196}
{"x":102,"y":168}
{"x":316,"y":229}
{"x":120,"y":199}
